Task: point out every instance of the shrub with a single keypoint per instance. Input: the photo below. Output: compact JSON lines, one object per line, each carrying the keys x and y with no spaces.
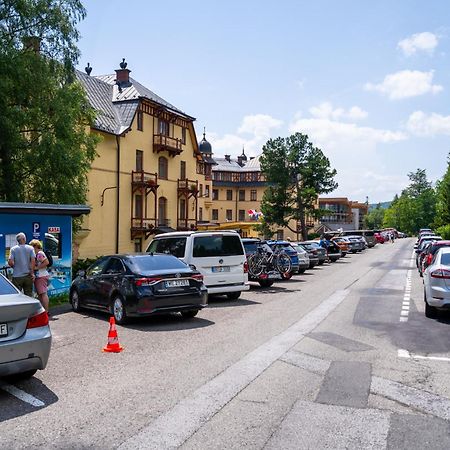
{"x":444,"y":231}
{"x":82,"y":264}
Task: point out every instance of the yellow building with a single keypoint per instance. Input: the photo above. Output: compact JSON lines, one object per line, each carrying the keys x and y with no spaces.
{"x":149,"y":175}
{"x":237,"y":191}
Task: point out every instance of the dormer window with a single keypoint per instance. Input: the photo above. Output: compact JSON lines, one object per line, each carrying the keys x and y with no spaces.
{"x":164,"y":127}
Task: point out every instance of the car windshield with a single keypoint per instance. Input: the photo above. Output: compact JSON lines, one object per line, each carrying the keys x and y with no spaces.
{"x":172,"y":246}
{"x":5,"y":287}
{"x":250,"y":246}
{"x":149,"y":263}
{"x":218,"y":245}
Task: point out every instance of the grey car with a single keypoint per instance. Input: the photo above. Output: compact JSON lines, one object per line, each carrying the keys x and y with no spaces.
{"x":25,"y":337}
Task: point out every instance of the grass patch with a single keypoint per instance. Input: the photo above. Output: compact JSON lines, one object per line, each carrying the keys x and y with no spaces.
{"x":60,"y":299}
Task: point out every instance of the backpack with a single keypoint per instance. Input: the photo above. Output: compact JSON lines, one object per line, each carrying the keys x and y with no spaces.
{"x":49,"y":258}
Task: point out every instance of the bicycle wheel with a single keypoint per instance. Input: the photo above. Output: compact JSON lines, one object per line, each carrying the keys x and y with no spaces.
{"x":283,"y":263}
{"x":255,"y":265}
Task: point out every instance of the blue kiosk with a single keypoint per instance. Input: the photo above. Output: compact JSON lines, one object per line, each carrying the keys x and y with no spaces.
{"x":52,"y":225}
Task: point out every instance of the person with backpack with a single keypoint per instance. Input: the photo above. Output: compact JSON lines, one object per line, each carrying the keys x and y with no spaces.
{"x":22,"y":260}
{"x":42,"y":275}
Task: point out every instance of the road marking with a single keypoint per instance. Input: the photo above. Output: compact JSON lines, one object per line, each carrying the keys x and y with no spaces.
{"x":175,"y":426}
{"x":406,"y":354}
{"x":406,"y":296}
{"x":21,"y":395}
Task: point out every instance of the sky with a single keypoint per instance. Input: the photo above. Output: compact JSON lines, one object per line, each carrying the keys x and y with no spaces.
{"x":367,"y":81}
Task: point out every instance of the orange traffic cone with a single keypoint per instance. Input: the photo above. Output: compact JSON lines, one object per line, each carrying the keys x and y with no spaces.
{"x":113,"y":345}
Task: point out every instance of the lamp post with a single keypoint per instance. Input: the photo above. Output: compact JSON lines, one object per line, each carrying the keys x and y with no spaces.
{"x":299,"y":179}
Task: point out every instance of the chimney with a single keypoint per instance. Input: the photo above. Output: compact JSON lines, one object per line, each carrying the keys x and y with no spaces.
{"x":123,"y":74}
{"x":228,"y":158}
{"x":88,"y":69}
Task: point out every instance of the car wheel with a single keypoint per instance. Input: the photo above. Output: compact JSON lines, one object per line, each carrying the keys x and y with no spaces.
{"x":265,"y":283}
{"x":301,"y":271}
{"x":189,"y":314}
{"x":75,"y":301}
{"x":430,"y":311}
{"x":118,"y":310}
{"x":321,"y":263}
{"x":287,"y":275}
{"x":233,"y":295}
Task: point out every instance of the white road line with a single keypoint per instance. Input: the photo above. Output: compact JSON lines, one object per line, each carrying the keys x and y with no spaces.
{"x":176,"y":425}
{"x":21,"y":395}
{"x":406,"y":354}
{"x":403,"y":319}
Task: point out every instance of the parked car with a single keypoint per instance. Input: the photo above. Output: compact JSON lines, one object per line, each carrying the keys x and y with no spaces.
{"x":423,"y":243}
{"x":380,"y":239}
{"x":343,"y":245}
{"x":313,"y":254}
{"x":286,"y":247}
{"x":357,"y":243}
{"x":25,"y":337}
{"x":303,"y":258}
{"x":139,"y":285}
{"x":267,"y":278}
{"x":428,"y":254}
{"x":320,"y":251}
{"x":367,"y":235}
{"x":436,"y":280}
{"x":218,"y":255}
{"x":333,"y":251}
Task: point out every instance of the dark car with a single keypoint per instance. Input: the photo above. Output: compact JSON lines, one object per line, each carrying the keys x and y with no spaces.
{"x":267,"y":278}
{"x":427,"y":255}
{"x":312,"y":253}
{"x":333,"y":251}
{"x":321,"y":252}
{"x":139,"y":285}
{"x":287,"y":248}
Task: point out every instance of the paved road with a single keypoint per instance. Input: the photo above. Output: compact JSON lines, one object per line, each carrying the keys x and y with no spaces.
{"x":340,"y":357}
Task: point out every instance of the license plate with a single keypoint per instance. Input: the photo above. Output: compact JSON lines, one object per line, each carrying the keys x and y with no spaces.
{"x":176,"y":283}
{"x":218,"y":269}
{"x":3,"y":329}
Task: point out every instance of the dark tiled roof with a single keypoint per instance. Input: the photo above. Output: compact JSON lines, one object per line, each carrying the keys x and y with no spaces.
{"x":134,"y":90}
{"x":44,"y":208}
{"x":209,"y":160}
{"x":223,"y":165}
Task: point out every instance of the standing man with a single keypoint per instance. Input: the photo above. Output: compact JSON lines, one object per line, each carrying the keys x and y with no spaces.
{"x":22,"y":260}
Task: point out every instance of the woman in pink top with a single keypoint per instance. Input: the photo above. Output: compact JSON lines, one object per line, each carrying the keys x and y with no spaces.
{"x":42,"y":275}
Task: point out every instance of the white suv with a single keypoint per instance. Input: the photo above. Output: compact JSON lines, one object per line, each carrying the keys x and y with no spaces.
{"x":218,"y":255}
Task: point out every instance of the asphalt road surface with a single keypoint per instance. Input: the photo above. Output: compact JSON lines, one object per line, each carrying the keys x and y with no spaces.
{"x":340,"y":357}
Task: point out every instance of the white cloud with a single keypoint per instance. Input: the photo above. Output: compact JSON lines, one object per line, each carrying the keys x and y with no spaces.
{"x":406,"y":83}
{"x":422,"y":124}
{"x":425,"y":41}
{"x":326,"y":111}
{"x":258,"y":128}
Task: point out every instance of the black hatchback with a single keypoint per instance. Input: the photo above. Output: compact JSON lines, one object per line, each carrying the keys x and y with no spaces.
{"x":139,"y":285}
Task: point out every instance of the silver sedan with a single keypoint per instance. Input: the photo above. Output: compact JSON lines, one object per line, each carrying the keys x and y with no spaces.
{"x":25,"y":337}
{"x":436,"y":280}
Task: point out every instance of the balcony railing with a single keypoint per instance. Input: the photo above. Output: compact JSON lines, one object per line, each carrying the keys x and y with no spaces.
{"x":188,"y":185}
{"x":163,"y":222}
{"x":161,"y":142}
{"x":186,"y":224}
{"x":144,"y":178}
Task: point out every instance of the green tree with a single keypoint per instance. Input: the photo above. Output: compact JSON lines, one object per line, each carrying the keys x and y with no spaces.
{"x":45,"y":146}
{"x":416,"y":206}
{"x":374,"y":218}
{"x":443,"y":199}
{"x":297,"y":173}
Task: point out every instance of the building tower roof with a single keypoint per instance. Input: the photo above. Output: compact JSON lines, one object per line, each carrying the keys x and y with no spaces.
{"x":204,"y":146}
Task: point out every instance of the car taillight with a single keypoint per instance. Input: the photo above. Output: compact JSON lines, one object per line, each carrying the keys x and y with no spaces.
{"x":441,"y":273}
{"x":39,"y":320}
{"x":429,"y":258}
{"x":245,"y":267}
{"x":146,"y":281}
{"x":198,"y":277}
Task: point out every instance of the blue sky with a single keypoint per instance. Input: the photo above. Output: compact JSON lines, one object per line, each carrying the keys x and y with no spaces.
{"x":367,"y":81}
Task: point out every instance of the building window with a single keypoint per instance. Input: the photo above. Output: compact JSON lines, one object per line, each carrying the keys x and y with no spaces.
{"x":164,"y":127}
{"x":200,"y":190}
{"x":182,"y":212}
{"x":215,"y":214}
{"x":242,"y":195}
{"x":253,"y":197}
{"x":215,"y":194}
{"x":140,"y":121}
{"x":162,"y":168}
{"x":162,"y":211}
{"x":207,"y":190}
{"x":242,"y":215}
{"x":183,"y":170}
{"x":183,"y":135}
{"x":139,"y":160}
{"x":229,"y":194}
{"x":200,"y":214}
{"x":138,"y":245}
{"x":280,"y":235}
{"x":138,"y":210}
{"x":229,"y":215}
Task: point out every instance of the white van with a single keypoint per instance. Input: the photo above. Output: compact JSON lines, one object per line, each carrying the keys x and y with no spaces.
{"x":218,"y":255}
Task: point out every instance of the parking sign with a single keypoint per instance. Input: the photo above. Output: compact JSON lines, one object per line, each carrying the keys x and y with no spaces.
{"x":36,"y":230}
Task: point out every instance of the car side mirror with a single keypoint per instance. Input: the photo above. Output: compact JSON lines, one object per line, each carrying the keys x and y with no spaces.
{"x":81,"y":274}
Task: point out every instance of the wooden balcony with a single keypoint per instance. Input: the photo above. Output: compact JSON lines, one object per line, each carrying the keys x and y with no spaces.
{"x":142,"y":226}
{"x":145,"y":179}
{"x":186,"y":224}
{"x":162,"y":143}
